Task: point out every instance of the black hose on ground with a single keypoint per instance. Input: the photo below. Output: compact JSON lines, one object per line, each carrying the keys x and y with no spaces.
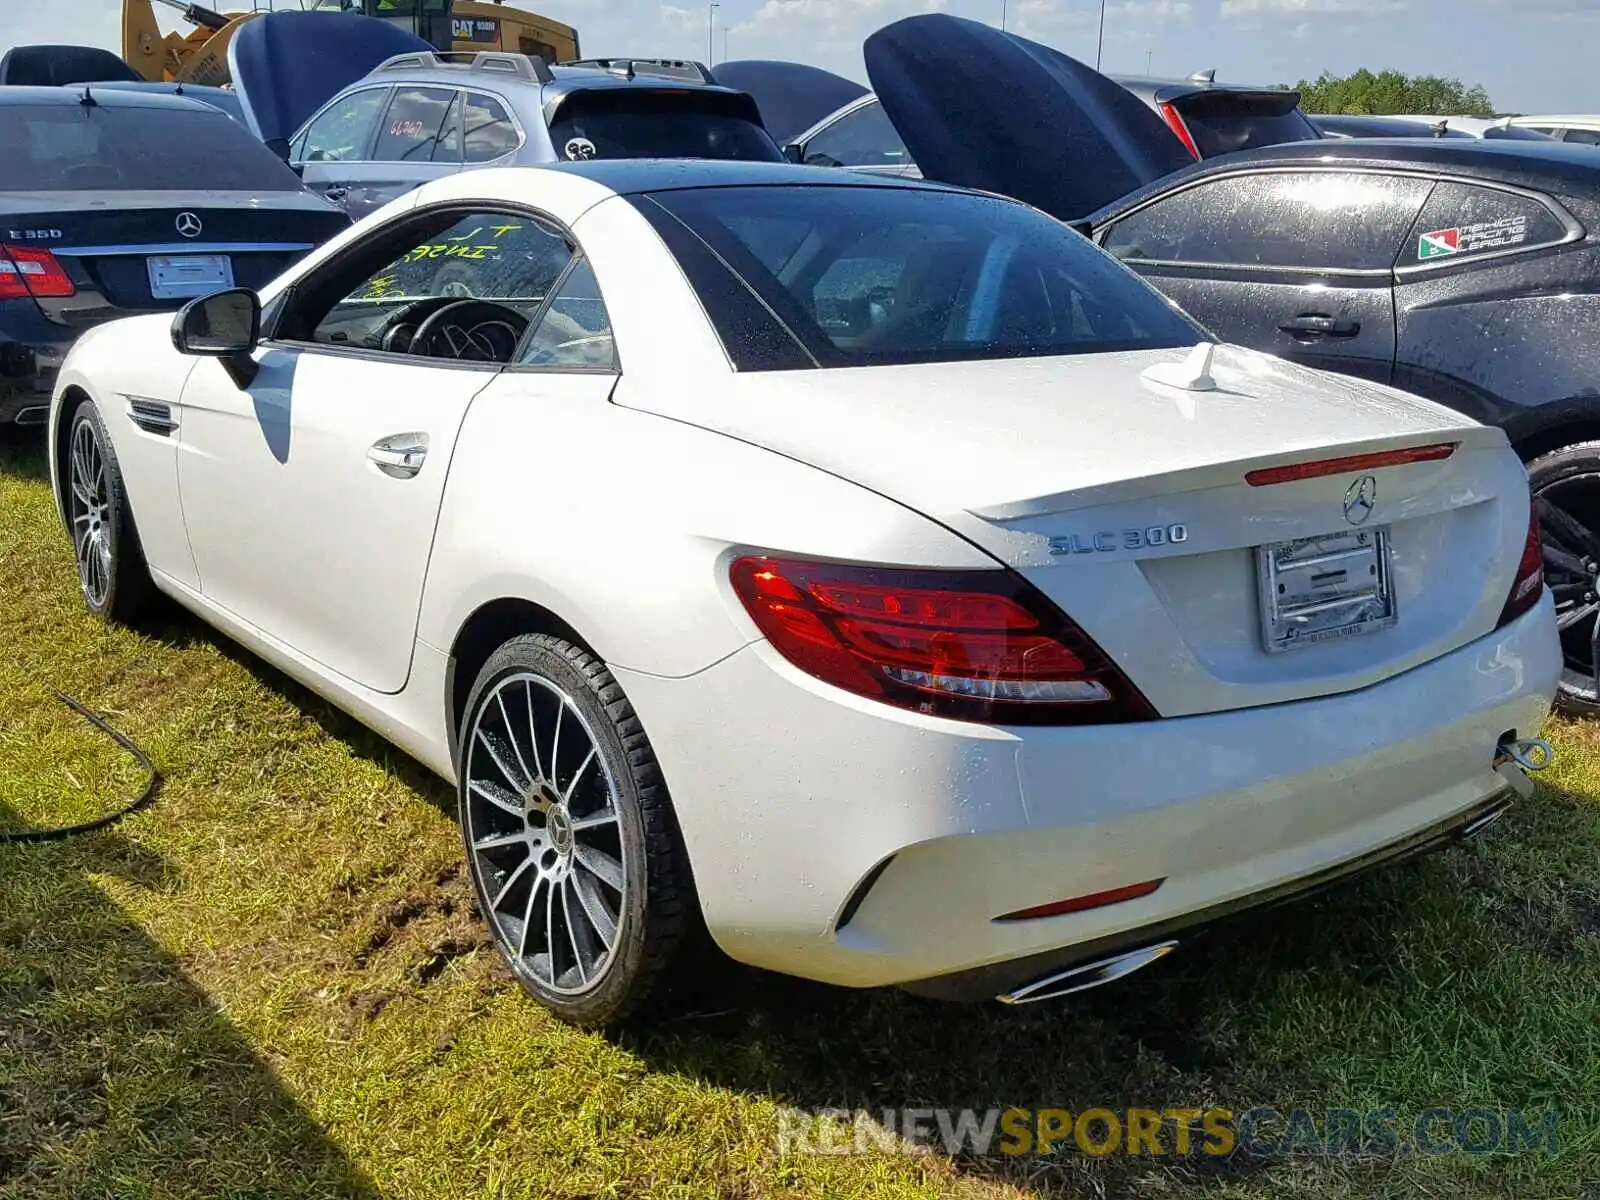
{"x":152,"y":784}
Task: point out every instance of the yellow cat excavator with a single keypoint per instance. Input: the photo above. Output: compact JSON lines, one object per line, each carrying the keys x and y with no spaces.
{"x":201,"y":56}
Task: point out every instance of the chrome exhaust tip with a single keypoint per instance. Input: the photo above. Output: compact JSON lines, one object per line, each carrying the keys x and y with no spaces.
{"x":1489,"y":818}
{"x":1089,"y":975}
{"x":32,"y":415}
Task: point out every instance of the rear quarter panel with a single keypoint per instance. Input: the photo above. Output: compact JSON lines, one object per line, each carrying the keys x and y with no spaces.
{"x":1509,"y":342}
{"x":623,"y":524}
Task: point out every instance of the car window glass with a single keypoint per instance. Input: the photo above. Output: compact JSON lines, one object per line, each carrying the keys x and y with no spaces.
{"x":1464,"y":221}
{"x":863,"y":138}
{"x":660,"y":123}
{"x":416,"y":121}
{"x":69,"y":148}
{"x":344,"y":131}
{"x":511,"y":260}
{"x":490,"y":132}
{"x":1223,"y":122}
{"x":862,"y":276}
{"x":1321,"y":220}
{"x":575,"y":330}
{"x":1589,"y":137}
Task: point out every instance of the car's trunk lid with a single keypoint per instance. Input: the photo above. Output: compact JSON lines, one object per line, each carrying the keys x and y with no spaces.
{"x":105,"y":240}
{"x":1056,"y":134}
{"x":1127,"y":501}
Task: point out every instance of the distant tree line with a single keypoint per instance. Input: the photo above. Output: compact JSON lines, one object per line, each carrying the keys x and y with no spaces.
{"x":1387,"y":92}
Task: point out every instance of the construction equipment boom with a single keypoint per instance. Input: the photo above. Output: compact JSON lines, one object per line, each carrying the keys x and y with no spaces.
{"x":201,"y":55}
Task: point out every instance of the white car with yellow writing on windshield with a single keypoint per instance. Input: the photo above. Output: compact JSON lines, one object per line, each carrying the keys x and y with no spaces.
{"x":871,"y":575}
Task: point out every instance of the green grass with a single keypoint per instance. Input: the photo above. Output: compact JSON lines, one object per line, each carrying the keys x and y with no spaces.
{"x":271,"y":983}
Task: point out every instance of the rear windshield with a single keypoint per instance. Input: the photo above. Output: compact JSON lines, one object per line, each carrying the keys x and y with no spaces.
{"x":62,"y":147}
{"x":660,"y":123}
{"x":860,"y":276}
{"x":1516,"y":133}
{"x":1222,"y":122}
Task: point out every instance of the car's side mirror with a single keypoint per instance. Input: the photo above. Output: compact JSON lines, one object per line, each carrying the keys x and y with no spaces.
{"x":795,"y":153}
{"x":225,"y":326}
{"x":284,"y":151}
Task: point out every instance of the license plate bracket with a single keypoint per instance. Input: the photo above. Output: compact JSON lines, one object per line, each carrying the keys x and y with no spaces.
{"x":185,"y":276}
{"x":1325,"y":588}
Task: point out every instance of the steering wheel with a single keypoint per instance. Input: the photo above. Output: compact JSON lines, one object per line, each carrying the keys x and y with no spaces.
{"x":400,"y":327}
{"x":454,"y":331}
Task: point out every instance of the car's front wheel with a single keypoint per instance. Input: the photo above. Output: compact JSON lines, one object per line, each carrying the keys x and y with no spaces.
{"x":571,"y":841}
{"x":112,"y":574}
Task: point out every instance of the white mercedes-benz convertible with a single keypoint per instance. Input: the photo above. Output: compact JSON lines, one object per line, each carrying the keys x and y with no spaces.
{"x":868,"y":573}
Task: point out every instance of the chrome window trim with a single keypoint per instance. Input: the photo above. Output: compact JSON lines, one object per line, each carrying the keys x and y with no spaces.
{"x":185,"y":248}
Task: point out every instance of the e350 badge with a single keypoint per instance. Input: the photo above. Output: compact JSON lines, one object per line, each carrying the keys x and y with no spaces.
{"x":1126,"y":539}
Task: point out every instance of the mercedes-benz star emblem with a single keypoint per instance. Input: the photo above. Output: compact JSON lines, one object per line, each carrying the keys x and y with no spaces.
{"x":1360,"y":499}
{"x":189,"y":224}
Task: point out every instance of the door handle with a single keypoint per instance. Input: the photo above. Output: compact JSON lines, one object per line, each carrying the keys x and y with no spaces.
{"x":400,"y":456}
{"x":1320,"y":325}
{"x":336,"y":192}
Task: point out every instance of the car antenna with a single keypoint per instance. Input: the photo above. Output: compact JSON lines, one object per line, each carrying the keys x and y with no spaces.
{"x":87,"y":99}
{"x":1193,"y":374}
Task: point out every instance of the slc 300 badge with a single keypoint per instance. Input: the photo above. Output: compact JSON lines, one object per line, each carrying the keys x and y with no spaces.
{"x":1127,"y":539}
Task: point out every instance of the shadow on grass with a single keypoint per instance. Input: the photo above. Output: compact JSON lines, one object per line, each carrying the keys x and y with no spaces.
{"x":1163,"y":1039}
{"x":117,"y":1075}
{"x":22,"y":452}
{"x":1171,"y":1037}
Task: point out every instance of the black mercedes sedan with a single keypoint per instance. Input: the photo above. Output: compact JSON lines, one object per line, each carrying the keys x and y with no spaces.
{"x":1463,"y":271}
{"x":114,"y":203}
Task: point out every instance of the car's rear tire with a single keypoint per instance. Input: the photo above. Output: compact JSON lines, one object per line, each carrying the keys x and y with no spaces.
{"x":1566,"y":489}
{"x":571,"y":841}
{"x":112,"y":574}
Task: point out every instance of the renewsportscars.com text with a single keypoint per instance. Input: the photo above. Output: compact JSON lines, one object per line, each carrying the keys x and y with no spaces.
{"x":1174,"y":1132}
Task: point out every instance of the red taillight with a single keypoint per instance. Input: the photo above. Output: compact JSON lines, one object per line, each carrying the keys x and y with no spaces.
{"x":1169,"y":114}
{"x":1529,"y":583}
{"x":973,"y":645}
{"x":27,"y":271}
{"x":1355,"y":462}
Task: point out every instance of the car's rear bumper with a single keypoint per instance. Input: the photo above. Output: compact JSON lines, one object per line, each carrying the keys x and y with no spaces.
{"x":1080,"y":959}
{"x":835,"y":838}
{"x":32,"y":349}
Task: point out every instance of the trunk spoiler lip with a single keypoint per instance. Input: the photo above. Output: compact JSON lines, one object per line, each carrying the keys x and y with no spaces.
{"x":1207,"y":476}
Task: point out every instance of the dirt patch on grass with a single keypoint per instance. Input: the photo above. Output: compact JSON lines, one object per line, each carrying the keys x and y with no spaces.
{"x":420,"y":933}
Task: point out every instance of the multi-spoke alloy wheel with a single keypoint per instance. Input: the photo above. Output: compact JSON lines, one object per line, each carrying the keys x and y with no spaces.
{"x":543,"y":827}
{"x":569,"y":835}
{"x":1566,"y":487}
{"x":90,"y":510}
{"x":111,"y":568}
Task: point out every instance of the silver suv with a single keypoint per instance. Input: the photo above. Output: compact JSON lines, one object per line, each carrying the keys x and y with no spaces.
{"x":422,"y":115}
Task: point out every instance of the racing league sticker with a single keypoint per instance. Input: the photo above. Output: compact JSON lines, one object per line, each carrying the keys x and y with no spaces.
{"x":1469,"y":239}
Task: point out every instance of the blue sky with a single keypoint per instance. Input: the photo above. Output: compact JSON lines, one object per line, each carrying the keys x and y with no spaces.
{"x":1532,"y":55}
